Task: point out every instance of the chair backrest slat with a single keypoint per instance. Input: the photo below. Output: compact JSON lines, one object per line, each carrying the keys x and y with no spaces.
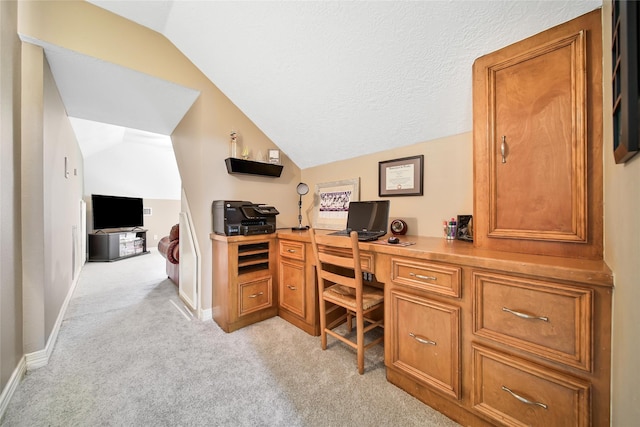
{"x":337,"y":258}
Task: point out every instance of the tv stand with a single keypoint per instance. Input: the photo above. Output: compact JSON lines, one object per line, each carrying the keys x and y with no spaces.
{"x":116,"y":245}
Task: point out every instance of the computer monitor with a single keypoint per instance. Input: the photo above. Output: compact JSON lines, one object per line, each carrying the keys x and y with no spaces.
{"x":368,"y":216}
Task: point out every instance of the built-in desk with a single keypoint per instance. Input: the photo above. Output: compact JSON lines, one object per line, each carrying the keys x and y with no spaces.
{"x":485,"y":337}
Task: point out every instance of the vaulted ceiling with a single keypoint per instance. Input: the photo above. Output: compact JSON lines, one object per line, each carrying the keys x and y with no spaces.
{"x":331,"y":80}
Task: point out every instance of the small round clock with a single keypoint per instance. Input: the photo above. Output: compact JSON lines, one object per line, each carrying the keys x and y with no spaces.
{"x":398,"y":227}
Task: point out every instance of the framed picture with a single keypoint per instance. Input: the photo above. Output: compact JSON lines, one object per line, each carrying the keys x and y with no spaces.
{"x":401,"y":177}
{"x":274,"y":156}
{"x":465,"y":228}
{"x":626,"y":86}
{"x":331,"y":203}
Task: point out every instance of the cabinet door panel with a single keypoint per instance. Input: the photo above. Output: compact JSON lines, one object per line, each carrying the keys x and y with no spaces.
{"x":538,"y":143}
{"x":292,"y":287}
{"x":425,"y":341}
{"x":537,"y":110}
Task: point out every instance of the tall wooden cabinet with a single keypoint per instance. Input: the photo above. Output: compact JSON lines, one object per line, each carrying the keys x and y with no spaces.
{"x":537,"y":118}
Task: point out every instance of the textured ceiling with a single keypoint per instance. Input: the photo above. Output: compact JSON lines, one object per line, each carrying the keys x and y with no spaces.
{"x":331,"y":80}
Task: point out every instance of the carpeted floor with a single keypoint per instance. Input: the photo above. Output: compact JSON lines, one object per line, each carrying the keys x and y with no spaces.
{"x":127,"y":356}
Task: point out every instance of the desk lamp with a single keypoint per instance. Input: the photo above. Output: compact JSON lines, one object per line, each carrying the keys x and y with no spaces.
{"x":302,"y":189}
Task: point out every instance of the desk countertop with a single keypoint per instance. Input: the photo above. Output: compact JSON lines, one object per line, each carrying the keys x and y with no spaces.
{"x":595,"y":272}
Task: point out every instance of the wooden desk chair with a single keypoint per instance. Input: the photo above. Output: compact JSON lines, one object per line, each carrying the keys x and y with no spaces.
{"x":340,"y":284}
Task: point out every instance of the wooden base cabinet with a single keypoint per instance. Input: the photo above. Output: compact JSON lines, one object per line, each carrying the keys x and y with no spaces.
{"x":522,"y":340}
{"x":244,"y":271}
{"x":297,"y":285}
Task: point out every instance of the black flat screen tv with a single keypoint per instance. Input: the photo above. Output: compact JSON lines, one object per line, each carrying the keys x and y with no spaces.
{"x":116,"y":212}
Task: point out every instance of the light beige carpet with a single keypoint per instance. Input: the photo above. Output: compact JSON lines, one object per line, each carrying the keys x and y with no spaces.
{"x":126,"y":356}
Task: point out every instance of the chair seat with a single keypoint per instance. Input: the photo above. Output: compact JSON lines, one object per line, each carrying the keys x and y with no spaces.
{"x":347,"y":296}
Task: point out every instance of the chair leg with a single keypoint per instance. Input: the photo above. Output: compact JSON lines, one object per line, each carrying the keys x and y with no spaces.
{"x":349,"y":320}
{"x":360,"y":340}
{"x":323,"y":323}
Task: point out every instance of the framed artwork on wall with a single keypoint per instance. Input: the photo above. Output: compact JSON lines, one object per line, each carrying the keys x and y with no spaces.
{"x":331,"y":203}
{"x":401,"y":177}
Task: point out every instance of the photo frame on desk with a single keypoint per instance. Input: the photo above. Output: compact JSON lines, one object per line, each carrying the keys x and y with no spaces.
{"x":331,"y":203}
{"x":401,"y":177}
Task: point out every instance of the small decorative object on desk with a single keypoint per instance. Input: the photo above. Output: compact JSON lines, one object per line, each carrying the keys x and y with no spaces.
{"x":398,"y":227}
{"x":450,"y":228}
{"x":465,"y":228}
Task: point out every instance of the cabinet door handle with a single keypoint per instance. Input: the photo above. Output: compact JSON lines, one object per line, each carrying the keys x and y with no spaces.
{"x":256,"y":295}
{"x":420,"y":276}
{"x":525,"y":315}
{"x":503,"y":149}
{"x":293,"y":288}
{"x":292,"y":251}
{"x":523,"y":399}
{"x":421,"y":340}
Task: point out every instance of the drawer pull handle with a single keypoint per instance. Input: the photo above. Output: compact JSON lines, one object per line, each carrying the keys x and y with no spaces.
{"x":293,"y":288}
{"x":524,"y":400}
{"x":292,"y":251}
{"x":525,"y":316}
{"x":420,"y":276}
{"x":256,"y":295}
{"x":503,"y":149}
{"x":421,"y":340}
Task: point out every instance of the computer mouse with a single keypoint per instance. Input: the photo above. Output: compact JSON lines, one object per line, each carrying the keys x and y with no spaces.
{"x":393,"y":240}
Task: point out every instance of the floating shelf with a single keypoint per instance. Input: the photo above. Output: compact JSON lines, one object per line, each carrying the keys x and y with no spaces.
{"x":252,"y":168}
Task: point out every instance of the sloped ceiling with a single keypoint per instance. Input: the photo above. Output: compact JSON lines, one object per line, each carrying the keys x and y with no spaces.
{"x":331,"y":80}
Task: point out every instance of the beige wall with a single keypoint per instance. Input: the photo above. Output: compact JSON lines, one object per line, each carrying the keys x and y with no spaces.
{"x":200,"y":141}
{"x":62,"y":194}
{"x":622,"y":254}
{"x":164,"y":214}
{"x":11,"y":343}
{"x":448,"y":183}
{"x":32,"y":201}
{"x":50,"y":204}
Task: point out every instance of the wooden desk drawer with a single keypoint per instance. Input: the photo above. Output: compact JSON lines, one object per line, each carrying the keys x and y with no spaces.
{"x":518,"y":393}
{"x":294,"y":250}
{"x":366,"y":258}
{"x":255,"y":295}
{"x":425,"y":340}
{"x":548,"y":319}
{"x":427,"y":276}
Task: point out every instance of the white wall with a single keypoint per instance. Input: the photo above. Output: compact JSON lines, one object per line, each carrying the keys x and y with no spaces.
{"x":127,"y":162}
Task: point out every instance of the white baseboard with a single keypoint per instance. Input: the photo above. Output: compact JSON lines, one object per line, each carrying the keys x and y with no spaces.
{"x":40,"y":358}
{"x":12,"y":385}
{"x":205,"y":314}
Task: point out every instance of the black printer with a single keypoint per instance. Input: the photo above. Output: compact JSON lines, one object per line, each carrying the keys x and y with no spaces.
{"x":242,"y":218}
